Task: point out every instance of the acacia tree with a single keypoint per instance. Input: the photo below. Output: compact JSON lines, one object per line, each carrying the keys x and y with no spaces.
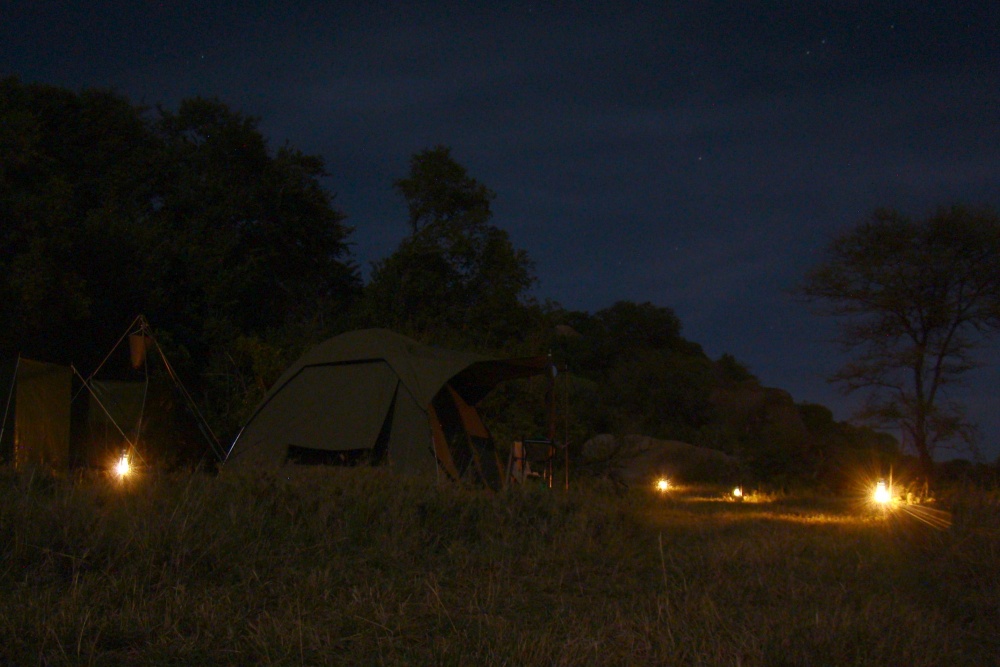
{"x":916,"y":301}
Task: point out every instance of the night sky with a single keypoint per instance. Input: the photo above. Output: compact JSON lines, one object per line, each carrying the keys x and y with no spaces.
{"x":696,"y":155}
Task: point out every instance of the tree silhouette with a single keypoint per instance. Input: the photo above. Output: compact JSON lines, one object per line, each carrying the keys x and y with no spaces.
{"x":915,"y":300}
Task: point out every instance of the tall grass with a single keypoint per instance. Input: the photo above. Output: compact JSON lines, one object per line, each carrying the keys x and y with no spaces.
{"x":360,"y":567}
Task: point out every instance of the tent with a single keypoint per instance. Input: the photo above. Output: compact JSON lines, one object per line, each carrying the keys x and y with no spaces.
{"x":378,"y":394}
{"x":42,"y":422}
{"x":44,"y":426}
{"x":35,"y":425}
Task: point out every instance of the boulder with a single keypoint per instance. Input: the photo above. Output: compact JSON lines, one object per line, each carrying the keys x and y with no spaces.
{"x":640,"y":459}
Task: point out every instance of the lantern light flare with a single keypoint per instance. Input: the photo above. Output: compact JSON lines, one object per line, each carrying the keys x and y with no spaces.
{"x":122,"y":468}
{"x":738,"y":492}
{"x":663,"y":485}
{"x":882,"y":494}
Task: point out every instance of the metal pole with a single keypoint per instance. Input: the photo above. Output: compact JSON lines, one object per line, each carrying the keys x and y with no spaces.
{"x":10,"y":395}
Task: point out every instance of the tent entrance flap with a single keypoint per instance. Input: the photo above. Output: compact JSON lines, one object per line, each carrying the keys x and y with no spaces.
{"x":479,"y":440}
{"x":440,"y":441}
{"x":467,"y":440}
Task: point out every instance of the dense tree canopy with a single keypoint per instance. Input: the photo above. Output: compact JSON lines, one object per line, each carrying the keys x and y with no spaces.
{"x":73,"y":169}
{"x":255,"y":228}
{"x":915,"y":299}
{"x":108,"y":210}
{"x":646,"y":377}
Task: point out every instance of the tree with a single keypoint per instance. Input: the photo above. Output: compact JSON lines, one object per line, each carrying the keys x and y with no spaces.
{"x":440,"y":192}
{"x":647,"y":378}
{"x":73,"y":175}
{"x":663,"y":393}
{"x":456,"y":278}
{"x":108,"y":210}
{"x":916,"y":300}
{"x":252,"y":233}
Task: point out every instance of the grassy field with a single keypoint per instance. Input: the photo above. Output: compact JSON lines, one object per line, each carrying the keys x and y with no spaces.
{"x":358,"y":567}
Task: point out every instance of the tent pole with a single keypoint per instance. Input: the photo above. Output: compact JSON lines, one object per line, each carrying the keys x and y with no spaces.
{"x":565,"y":384}
{"x":10,"y":395}
{"x":108,"y":356}
{"x":94,"y":395}
{"x":143,"y":328}
{"x":214,"y":443}
{"x":230,"y":450}
{"x":550,"y":400}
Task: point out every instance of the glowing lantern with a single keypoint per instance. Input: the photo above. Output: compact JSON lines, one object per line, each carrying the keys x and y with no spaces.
{"x":882,"y":493}
{"x":122,"y":468}
{"x":738,"y":492}
{"x":663,"y":485}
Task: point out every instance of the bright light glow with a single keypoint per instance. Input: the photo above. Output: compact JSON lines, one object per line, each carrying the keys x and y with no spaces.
{"x":663,"y":484}
{"x":122,"y":468}
{"x":738,"y":492}
{"x":882,"y":493}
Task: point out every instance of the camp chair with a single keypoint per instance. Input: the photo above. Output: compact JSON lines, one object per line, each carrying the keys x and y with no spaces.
{"x":531,"y":458}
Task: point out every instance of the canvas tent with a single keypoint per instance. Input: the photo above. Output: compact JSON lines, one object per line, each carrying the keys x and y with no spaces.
{"x":377,"y":392}
{"x":35,"y":429}
{"x":44,"y":426}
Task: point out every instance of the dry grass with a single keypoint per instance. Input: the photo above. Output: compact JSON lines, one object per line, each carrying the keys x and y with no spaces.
{"x":360,"y":567}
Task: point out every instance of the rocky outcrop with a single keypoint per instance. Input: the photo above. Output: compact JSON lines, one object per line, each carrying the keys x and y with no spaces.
{"x":748,"y":407}
{"x":640,"y":459}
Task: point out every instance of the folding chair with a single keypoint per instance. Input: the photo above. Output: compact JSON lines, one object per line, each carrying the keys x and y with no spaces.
{"x":531,"y":458}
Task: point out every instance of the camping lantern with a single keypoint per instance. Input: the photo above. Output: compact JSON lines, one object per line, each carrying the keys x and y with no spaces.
{"x":738,"y":492}
{"x":882,"y":494}
{"x":122,"y":467}
{"x":663,"y":485}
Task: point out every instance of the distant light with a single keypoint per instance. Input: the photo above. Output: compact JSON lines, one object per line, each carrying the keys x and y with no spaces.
{"x":663,"y":485}
{"x":122,"y":468}
{"x":882,"y":494}
{"x":738,"y":492}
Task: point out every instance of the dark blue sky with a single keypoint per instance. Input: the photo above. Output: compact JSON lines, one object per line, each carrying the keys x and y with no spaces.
{"x":696,"y":155}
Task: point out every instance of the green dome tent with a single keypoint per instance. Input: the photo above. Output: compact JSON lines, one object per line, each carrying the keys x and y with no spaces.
{"x":379,"y":393}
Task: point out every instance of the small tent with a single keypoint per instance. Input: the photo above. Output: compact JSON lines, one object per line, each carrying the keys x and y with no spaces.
{"x":35,"y":429}
{"x":378,"y":393}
